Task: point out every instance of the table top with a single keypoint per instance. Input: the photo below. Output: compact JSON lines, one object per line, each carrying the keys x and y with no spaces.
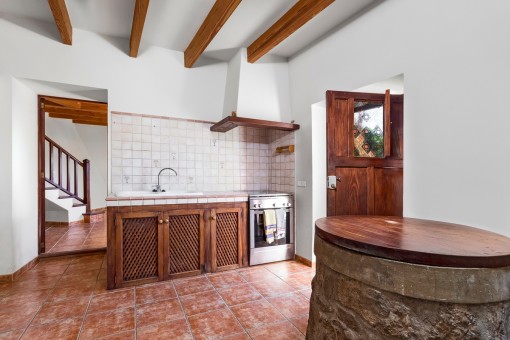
{"x":417,"y":241}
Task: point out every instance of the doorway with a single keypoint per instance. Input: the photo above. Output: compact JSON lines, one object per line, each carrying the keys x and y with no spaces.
{"x":364,"y":134}
{"x":72,"y":174}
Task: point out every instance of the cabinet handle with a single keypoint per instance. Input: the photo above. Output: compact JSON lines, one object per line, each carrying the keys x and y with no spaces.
{"x":160,"y":221}
{"x":167,"y":220}
{"x":213,"y":218}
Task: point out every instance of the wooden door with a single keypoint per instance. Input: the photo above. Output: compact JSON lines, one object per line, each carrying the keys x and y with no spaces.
{"x":227,"y":235}
{"x":364,"y":153}
{"x":186,"y":242}
{"x":139,"y":240}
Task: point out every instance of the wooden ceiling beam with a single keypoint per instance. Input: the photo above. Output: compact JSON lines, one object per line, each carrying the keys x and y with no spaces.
{"x":63,"y":109}
{"x":87,"y":122}
{"x":139,"y":15}
{"x":217,"y":17}
{"x":76,"y":104}
{"x":302,"y":12}
{"x":62,"y":20}
{"x":78,"y":117}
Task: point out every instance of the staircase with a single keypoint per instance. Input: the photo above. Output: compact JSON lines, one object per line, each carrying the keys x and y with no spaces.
{"x":67,"y":180}
{"x":74,"y":209}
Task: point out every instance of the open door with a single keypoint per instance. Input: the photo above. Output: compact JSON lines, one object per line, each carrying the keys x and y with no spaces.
{"x":70,"y":128}
{"x":364,"y":153}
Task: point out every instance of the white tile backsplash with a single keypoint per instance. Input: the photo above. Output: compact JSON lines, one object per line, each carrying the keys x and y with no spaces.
{"x":240,"y":159}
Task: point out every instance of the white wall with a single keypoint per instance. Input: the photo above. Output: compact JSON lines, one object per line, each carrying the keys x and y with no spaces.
{"x":154,"y":83}
{"x":6,"y":226}
{"x":456,"y":70}
{"x":319,"y":171}
{"x":84,"y":142}
{"x":24,"y":174}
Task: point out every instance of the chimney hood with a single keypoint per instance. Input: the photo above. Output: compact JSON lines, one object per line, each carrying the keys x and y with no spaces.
{"x":256,"y":95}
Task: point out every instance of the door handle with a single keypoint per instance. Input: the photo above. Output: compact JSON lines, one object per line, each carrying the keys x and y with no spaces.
{"x":213,"y":218}
{"x":331,"y":182}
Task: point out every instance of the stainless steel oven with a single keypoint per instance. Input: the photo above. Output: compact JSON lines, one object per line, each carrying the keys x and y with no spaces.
{"x":278,"y":247}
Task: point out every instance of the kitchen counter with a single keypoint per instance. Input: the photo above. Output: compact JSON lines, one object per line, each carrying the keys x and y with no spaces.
{"x":172,"y":236}
{"x":390,"y":277}
{"x":184,"y":198}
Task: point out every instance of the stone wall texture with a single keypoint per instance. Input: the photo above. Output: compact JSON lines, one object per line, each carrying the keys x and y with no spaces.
{"x":342,"y":307}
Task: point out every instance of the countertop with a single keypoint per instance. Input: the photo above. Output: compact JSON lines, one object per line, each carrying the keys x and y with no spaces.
{"x":205,"y":197}
{"x":417,"y":241}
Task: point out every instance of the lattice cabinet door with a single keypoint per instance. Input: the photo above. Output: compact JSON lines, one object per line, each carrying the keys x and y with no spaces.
{"x":139,"y":237}
{"x":186,"y":251}
{"x":227,"y":234}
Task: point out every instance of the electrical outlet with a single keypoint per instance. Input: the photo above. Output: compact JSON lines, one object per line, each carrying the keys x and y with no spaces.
{"x":222,"y":165}
{"x":190,"y":180}
{"x":301,"y":183}
{"x":214,"y":142}
{"x":173,"y":156}
{"x":156,"y":163}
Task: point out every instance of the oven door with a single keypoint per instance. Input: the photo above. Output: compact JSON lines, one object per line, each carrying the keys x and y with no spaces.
{"x":258,"y":237}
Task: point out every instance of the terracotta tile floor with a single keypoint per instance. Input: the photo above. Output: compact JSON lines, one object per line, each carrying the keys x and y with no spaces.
{"x":76,"y":237}
{"x":66,"y":298}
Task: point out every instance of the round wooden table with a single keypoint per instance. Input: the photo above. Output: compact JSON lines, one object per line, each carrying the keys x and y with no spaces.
{"x":417,"y":241}
{"x":401,"y":278}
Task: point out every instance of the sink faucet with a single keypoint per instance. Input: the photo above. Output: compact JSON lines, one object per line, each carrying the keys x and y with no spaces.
{"x":158,"y":187}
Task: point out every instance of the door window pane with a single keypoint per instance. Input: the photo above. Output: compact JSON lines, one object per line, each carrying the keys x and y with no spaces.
{"x":368,"y":129}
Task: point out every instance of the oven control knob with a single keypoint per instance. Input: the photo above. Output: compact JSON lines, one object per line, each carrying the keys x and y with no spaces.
{"x":274,"y":204}
{"x":288,"y":204}
{"x":259,"y":205}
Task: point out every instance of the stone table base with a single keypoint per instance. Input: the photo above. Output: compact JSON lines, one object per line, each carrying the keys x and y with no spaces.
{"x":356,"y":296}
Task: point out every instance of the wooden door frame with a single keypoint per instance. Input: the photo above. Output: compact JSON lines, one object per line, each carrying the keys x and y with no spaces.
{"x":41,"y":195}
{"x":41,"y":164}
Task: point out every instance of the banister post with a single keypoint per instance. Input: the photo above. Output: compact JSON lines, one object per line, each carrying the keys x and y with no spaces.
{"x":86,"y":184}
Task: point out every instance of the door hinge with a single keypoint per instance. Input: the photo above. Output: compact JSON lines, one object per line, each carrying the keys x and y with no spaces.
{"x":42,"y":175}
{"x":42,"y":105}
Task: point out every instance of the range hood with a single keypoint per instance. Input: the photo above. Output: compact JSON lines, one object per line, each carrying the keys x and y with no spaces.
{"x":231,"y":122}
{"x":256,"y":95}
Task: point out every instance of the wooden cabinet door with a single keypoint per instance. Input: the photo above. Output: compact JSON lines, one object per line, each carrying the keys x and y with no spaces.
{"x":139,"y":240}
{"x":186,"y":239}
{"x":227,"y":238}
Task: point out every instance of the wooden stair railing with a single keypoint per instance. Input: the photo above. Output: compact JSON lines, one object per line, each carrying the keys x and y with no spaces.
{"x":68,"y":172}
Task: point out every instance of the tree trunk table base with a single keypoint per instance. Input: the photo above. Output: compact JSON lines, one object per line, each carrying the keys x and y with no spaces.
{"x":359,"y":296}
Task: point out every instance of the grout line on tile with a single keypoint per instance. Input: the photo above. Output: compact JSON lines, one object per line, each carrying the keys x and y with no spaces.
{"x":229,"y":307}
{"x":135,"y":314}
{"x":183,"y":312}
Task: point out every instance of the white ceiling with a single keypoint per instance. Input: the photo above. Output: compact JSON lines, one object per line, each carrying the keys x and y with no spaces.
{"x":173,"y":23}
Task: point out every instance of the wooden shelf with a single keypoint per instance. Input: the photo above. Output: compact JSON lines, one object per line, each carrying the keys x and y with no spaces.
{"x":286,"y":148}
{"x":231,"y":122}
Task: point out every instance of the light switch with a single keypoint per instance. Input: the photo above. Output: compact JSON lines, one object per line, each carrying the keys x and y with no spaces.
{"x":301,"y":183}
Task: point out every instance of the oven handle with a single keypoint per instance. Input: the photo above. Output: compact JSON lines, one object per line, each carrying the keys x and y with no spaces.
{"x":261,"y":210}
